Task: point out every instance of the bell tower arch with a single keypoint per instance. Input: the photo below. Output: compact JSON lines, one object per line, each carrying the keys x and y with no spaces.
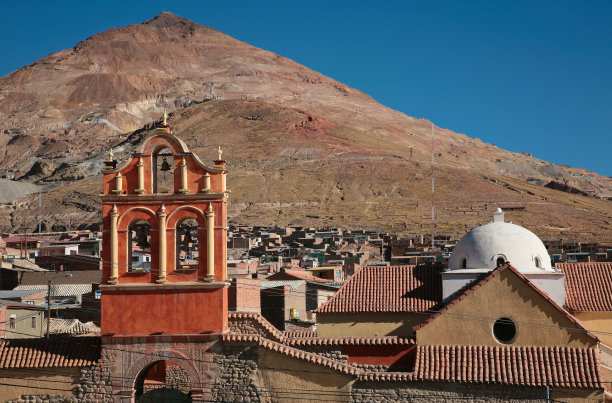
{"x":167,"y":207}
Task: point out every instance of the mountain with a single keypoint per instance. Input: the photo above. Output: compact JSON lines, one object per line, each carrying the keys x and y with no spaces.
{"x":302,"y":147}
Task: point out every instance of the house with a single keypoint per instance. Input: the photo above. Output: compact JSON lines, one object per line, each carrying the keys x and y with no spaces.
{"x":30,"y":297}
{"x":20,"y":321}
{"x":332,"y":273}
{"x":490,"y":326}
{"x":283,"y":301}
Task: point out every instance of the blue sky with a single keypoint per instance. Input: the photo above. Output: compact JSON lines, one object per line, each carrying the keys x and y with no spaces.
{"x":528,"y":76}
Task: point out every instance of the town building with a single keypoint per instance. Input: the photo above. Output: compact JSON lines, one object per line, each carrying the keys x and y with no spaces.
{"x":489,"y":327}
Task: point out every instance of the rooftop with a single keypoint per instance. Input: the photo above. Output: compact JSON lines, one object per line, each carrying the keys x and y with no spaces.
{"x":588,"y":286}
{"x":388,"y":289}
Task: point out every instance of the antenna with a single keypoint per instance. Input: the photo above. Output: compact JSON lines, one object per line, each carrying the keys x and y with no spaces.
{"x":39,"y":209}
{"x":433,"y":215}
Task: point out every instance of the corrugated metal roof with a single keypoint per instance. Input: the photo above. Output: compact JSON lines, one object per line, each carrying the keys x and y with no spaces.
{"x":62,"y":290}
{"x":293,"y":284}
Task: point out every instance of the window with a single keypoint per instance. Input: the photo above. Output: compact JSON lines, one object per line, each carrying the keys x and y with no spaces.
{"x":33,"y":322}
{"x":187,"y":245}
{"x":505,"y":330}
{"x":12,"y":322}
{"x":463,"y":263}
{"x":500,"y":261}
{"x":140,"y":236}
{"x":538,"y":262}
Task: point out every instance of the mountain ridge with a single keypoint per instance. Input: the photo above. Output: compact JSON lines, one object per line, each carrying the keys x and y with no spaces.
{"x":72,"y":106}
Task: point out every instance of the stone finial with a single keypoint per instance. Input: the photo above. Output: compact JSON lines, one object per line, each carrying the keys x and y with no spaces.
{"x":165,"y":121}
{"x":498,"y":215}
{"x":110,"y":155}
{"x":114,"y":210}
{"x":162,"y":209}
{"x":219,"y":154}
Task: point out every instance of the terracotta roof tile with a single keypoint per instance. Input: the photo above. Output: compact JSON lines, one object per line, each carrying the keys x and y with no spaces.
{"x":562,"y":367}
{"x":293,"y":352}
{"x":353,"y":341}
{"x":44,"y":353}
{"x":461,"y":294}
{"x":388,"y":289}
{"x":272,"y":332}
{"x":301,"y":333}
{"x":588,"y":286}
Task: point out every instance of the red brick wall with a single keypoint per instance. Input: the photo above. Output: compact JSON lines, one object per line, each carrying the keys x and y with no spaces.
{"x":244,"y":295}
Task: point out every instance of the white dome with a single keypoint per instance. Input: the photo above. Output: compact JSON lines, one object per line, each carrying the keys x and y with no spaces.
{"x":483,"y":247}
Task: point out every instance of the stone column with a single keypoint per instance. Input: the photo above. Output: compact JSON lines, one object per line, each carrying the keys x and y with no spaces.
{"x":140,"y":167}
{"x":114,"y":246}
{"x":183,"y":166}
{"x":118,"y":183}
{"x":161,"y":215}
{"x":207,"y":188}
{"x":210,"y":243}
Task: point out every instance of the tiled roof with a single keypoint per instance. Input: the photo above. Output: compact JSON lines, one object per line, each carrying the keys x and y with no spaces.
{"x":72,"y":327}
{"x":352,"y":341}
{"x":78,"y":277}
{"x":463,"y":293}
{"x":388,"y":289}
{"x":588,"y":286}
{"x":301,"y":333}
{"x":45,"y":353}
{"x":562,"y":367}
{"x":272,"y":332}
{"x":293,"y":352}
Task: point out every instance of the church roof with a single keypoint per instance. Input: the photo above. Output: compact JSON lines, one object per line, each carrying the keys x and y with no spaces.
{"x":463,"y":293}
{"x":588,"y":286}
{"x":484,"y":246}
{"x":562,"y":367}
{"x":388,"y":289}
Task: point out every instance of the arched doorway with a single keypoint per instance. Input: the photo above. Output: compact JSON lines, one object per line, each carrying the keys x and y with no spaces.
{"x":187,"y":245}
{"x":163,"y":381}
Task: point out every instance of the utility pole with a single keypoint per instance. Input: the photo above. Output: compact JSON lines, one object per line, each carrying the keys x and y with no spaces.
{"x":39,"y":210}
{"x":48,"y":307}
{"x":433,"y":216}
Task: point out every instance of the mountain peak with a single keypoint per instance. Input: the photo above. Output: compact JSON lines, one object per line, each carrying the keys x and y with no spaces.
{"x":167,"y":19}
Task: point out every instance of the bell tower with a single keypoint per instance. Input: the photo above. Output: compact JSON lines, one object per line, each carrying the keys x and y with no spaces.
{"x":164,"y":241}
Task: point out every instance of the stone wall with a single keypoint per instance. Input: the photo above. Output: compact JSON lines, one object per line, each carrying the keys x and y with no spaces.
{"x":238,"y":366}
{"x":94,"y":386}
{"x":440,"y":392}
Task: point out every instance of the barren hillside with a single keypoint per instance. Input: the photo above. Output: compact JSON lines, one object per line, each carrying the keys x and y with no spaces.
{"x":302,"y":148}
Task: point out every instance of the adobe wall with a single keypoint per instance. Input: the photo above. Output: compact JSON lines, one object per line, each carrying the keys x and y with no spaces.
{"x":281,"y":378}
{"x":443,"y":392}
{"x":367,"y":324}
{"x":504,"y":296}
{"x":55,"y":385}
{"x":599,"y":322}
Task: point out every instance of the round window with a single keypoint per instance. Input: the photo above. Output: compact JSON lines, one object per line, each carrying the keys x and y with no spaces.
{"x":500,"y":261}
{"x":504,"y":330}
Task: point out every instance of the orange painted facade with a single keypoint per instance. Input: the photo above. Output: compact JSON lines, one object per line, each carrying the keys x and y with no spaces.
{"x":167,"y":297}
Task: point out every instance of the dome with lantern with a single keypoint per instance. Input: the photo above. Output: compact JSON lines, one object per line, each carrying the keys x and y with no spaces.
{"x":497,"y":242}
